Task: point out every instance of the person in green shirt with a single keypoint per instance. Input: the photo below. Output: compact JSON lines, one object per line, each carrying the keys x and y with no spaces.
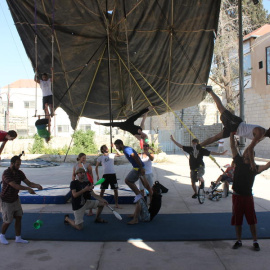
{"x":44,"y":128}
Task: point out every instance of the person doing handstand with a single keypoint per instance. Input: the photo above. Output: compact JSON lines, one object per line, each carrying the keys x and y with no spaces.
{"x":233,"y":123}
{"x":129,"y":125}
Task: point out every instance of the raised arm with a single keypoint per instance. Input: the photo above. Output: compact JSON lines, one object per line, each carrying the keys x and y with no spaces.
{"x":175,"y":142}
{"x":36,"y":79}
{"x":232,"y":143}
{"x":264,"y":167}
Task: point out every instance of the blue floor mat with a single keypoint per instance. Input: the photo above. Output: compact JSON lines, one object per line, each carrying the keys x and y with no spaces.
{"x":170,"y":227}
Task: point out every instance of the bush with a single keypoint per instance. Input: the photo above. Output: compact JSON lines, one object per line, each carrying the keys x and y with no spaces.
{"x":38,"y":146}
{"x":83,"y":142}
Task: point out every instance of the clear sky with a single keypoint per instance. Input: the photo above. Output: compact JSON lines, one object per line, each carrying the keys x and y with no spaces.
{"x":14,"y":63}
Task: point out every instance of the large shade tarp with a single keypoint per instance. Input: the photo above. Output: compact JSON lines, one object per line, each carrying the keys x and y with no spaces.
{"x":130,"y":54}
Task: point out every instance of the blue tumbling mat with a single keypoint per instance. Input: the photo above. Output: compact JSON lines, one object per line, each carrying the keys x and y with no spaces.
{"x":170,"y":227}
{"x":50,"y":194}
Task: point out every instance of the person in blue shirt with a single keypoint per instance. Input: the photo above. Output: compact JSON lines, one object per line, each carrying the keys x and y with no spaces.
{"x":137,"y":171}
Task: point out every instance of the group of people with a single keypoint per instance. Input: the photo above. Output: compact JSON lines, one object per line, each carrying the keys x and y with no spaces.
{"x":243,"y":172}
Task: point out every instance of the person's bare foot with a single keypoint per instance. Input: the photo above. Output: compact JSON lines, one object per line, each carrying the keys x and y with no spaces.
{"x":117,"y":206}
{"x":97,"y":123}
{"x":133,"y":221}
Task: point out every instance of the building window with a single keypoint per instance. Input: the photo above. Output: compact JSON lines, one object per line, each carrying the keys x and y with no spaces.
{"x":247,"y":64}
{"x":62,"y":128}
{"x":85,"y":127}
{"x":4,"y":104}
{"x":29,"y":104}
{"x":268,"y":65}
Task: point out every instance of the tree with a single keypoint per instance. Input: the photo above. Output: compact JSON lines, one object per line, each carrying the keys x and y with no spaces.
{"x":84,"y":142}
{"x":225,"y":66}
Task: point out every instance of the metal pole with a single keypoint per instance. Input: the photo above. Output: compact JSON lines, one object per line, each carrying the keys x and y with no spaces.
{"x":241,"y":70}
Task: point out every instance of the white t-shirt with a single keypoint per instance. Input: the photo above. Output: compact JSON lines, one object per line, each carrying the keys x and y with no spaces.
{"x":246,"y":130}
{"x":46,"y":87}
{"x":107,"y":163}
{"x":147,"y":164}
{"x":221,"y":142}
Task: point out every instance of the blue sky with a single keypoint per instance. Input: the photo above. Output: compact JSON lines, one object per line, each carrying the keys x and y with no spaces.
{"x":14,"y":63}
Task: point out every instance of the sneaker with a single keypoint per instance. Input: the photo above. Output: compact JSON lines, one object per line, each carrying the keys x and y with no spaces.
{"x":237,"y":245}
{"x":194,"y":196}
{"x":256,"y":246}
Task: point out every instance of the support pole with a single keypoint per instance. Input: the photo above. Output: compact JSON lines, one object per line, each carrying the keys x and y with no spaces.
{"x":241,"y":70}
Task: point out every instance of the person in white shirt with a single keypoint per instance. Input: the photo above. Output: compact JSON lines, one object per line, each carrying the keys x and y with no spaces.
{"x":220,"y":146}
{"x":46,"y":87}
{"x":235,"y":124}
{"x":147,"y":159}
{"x":107,"y":161}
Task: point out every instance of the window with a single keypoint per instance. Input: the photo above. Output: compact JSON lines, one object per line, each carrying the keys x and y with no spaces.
{"x":29,"y":104}
{"x":85,"y":127}
{"x":247,"y":64}
{"x":268,"y":65}
{"x":4,"y":104}
{"x":62,"y":128}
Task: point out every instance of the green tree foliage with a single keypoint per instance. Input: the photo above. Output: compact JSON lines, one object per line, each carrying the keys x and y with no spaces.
{"x":224,"y":70}
{"x":84,"y":142}
{"x":38,"y":145}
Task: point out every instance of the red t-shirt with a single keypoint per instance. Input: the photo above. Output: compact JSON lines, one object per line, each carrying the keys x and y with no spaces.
{"x":2,"y":136}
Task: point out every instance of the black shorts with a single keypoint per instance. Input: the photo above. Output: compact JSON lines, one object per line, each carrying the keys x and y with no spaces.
{"x":48,"y":100}
{"x":230,"y":123}
{"x":44,"y":121}
{"x":109,"y":179}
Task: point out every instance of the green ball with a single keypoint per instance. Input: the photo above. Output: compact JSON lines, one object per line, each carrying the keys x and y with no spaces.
{"x":146,"y":140}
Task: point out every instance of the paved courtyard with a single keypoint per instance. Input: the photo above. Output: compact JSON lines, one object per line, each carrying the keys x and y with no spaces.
{"x":135,"y":254}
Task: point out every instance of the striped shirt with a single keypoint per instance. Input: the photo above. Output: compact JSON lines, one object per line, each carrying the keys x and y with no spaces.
{"x":10,"y":194}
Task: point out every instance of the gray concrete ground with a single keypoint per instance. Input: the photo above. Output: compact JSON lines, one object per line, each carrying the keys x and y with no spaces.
{"x":174,"y":174}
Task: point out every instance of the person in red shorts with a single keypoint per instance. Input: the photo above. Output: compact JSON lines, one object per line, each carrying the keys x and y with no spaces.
{"x":242,"y":198}
{"x":6,"y":136}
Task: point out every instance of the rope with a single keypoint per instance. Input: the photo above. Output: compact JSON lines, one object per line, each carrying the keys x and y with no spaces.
{"x":53,"y":5}
{"x":180,"y":45}
{"x":90,"y":88}
{"x":59,"y":102}
{"x":36,"y":56}
{"x":211,"y":157}
{"x":109,"y":72}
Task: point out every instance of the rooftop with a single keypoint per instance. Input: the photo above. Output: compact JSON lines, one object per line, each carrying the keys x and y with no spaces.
{"x":258,"y":32}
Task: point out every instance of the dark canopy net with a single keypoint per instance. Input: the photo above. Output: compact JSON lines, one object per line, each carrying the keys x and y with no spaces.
{"x":158,"y":52}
